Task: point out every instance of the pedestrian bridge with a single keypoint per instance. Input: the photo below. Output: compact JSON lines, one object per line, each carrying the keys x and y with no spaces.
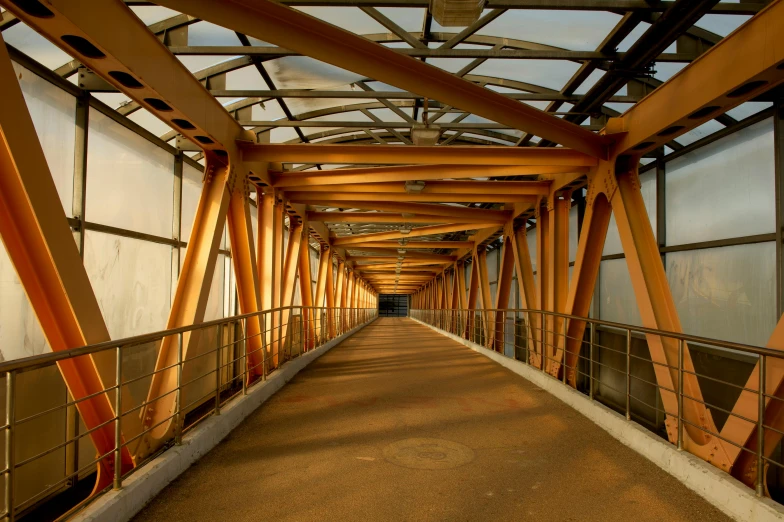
{"x":398,"y":422}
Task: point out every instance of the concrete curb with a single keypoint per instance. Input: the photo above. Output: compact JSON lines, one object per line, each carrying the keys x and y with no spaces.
{"x":141,"y":487}
{"x":717,"y":487}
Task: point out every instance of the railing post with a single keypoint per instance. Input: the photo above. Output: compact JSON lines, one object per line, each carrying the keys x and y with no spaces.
{"x":680,"y":394}
{"x":264,"y":346}
{"x":761,"y":430}
{"x":244,"y":364}
{"x":178,"y":395}
{"x":10,"y":453}
{"x":218,"y":369}
{"x":590,"y":360}
{"x":118,"y":421}
{"x":563,"y":352}
{"x":628,"y":373}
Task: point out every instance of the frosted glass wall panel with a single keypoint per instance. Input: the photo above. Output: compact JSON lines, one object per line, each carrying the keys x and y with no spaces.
{"x":20,"y":332}
{"x":131,"y":280}
{"x":53,"y":112}
{"x":492,"y":265}
{"x":618,"y":303}
{"x":254,"y":221}
{"x":726,"y":293}
{"x":531,"y":237}
{"x":130,"y":181}
{"x":710,"y":189}
{"x":612,"y":245}
{"x":573,"y":236}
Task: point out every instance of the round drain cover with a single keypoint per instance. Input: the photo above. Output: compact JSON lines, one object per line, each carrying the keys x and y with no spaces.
{"x":428,"y":454}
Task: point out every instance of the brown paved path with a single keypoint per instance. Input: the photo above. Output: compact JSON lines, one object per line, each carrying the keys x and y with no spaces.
{"x":401,"y":423}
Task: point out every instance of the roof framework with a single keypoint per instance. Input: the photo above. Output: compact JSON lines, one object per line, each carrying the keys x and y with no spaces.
{"x":265,"y":96}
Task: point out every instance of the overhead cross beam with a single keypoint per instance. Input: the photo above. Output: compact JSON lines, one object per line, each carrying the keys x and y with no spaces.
{"x":275,"y":23}
{"x":415,"y":173}
{"x":137,"y":64}
{"x":686,"y":100}
{"x":397,"y":155}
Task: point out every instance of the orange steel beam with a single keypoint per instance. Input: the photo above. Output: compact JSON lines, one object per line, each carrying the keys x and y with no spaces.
{"x":190,"y":302}
{"x":478,"y":214}
{"x":657,"y":310}
{"x":243,"y":258}
{"x":329,"y":292}
{"x":288,"y":282}
{"x":525,"y":282}
{"x":586,"y":271}
{"x":504,"y":286}
{"x":397,"y":155}
{"x":40,"y":245}
{"x":441,"y":187}
{"x":543,"y":276}
{"x":424,"y":265}
{"x":306,"y":292}
{"x":341,"y":198}
{"x":418,"y":244}
{"x":121,"y":49}
{"x":389,"y":251}
{"x":738,"y":68}
{"x":478,"y":238}
{"x":418,"y":173}
{"x":558,"y":273}
{"x":369,"y":260}
{"x":415,"y":232}
{"x":379,"y":217}
{"x":322,"y":290}
{"x":294,"y":30}
{"x":269,"y":228}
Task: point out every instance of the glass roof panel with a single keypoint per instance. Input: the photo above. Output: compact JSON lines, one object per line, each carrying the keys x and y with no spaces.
{"x":112,"y":99}
{"x":35,"y":46}
{"x":721,"y":24}
{"x":744,"y":110}
{"x":409,"y":18}
{"x":574,"y":30}
{"x":706,"y":129}
{"x":205,"y":33}
{"x":551,"y":74}
{"x":304,"y":105}
{"x":283,"y":134}
{"x":666,"y":70}
{"x":269,"y":110}
{"x":589,"y":82}
{"x":149,"y":122}
{"x":302,"y":72}
{"x":633,"y":36}
{"x":199,"y":63}
{"x":451,"y":65}
{"x":348,"y":18}
{"x":245,"y":78}
{"x":153,"y":14}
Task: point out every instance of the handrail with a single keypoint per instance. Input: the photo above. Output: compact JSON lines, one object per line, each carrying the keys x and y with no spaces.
{"x":488,"y":326}
{"x":747,"y":348}
{"x":305,"y":328}
{"x":45,"y":359}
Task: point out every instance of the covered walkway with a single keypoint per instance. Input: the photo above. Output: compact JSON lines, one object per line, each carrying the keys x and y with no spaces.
{"x":401,"y":423}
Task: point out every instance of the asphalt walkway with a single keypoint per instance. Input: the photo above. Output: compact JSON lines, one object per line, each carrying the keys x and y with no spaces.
{"x":401,"y":423}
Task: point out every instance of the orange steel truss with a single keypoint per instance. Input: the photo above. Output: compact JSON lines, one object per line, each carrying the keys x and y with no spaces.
{"x":442,"y":264}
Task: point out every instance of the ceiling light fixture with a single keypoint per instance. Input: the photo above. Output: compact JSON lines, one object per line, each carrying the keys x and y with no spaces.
{"x":456,"y":13}
{"x":405,"y":229}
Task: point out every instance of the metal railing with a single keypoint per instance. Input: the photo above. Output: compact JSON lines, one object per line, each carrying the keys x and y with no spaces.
{"x":216,"y":370}
{"x":609,"y":367}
